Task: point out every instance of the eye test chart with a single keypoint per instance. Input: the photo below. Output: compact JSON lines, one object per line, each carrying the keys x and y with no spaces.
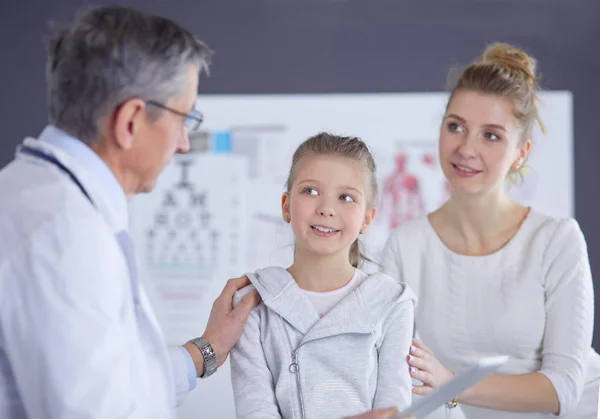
{"x":216,"y":211}
{"x":188,"y":233}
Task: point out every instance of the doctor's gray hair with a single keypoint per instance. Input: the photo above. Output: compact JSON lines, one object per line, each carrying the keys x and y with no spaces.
{"x":111,"y":54}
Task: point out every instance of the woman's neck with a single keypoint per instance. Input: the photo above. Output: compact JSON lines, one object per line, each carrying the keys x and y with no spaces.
{"x":321,"y":273}
{"x":478,"y":224}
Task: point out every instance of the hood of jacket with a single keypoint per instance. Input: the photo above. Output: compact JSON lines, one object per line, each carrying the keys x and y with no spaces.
{"x":359,"y":312}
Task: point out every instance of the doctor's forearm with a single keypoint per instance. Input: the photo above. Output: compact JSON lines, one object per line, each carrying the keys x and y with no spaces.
{"x":531,"y":392}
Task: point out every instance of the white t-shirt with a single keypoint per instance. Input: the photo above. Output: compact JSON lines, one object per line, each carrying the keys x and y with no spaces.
{"x":325,"y":301}
{"x":532,"y":300}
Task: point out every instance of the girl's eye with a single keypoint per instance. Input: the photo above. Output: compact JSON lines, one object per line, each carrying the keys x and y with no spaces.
{"x":454,"y":127}
{"x":347,"y":198}
{"x":309,"y":191}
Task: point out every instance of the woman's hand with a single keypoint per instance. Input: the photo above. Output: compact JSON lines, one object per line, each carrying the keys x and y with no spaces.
{"x":426,"y":368}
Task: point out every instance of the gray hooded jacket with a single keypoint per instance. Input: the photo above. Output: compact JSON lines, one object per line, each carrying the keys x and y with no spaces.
{"x":290,"y":363}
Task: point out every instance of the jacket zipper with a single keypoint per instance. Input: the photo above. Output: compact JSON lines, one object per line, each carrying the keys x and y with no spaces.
{"x":295,"y":369}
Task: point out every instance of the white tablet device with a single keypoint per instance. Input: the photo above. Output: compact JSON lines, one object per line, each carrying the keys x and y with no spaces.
{"x":443,"y":394}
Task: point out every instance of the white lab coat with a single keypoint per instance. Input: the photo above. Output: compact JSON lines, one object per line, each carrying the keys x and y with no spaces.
{"x":72,"y":343}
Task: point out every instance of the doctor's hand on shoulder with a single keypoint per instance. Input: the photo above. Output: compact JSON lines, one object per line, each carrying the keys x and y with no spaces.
{"x":225,"y":323}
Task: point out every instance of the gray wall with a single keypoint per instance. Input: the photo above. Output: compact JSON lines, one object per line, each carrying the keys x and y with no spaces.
{"x":316,"y":46}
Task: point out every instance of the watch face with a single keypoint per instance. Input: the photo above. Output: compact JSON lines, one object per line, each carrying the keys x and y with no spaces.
{"x":208,"y":351}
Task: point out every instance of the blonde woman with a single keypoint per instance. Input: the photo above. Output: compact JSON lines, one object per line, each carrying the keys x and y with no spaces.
{"x":492,"y":276}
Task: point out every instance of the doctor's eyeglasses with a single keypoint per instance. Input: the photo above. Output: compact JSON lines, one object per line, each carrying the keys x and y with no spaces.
{"x":192,"y":121}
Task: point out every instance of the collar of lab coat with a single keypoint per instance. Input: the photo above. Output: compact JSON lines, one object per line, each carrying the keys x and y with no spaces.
{"x":96,"y":177}
{"x":108,"y":199}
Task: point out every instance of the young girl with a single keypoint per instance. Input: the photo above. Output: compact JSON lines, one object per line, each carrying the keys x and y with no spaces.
{"x":327,"y":340}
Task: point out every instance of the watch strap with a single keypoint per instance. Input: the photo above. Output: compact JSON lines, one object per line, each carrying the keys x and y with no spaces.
{"x":208,"y":353}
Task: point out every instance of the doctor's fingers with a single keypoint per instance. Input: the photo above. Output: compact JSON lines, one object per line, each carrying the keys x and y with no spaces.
{"x":243,"y":309}
{"x":225,"y":300}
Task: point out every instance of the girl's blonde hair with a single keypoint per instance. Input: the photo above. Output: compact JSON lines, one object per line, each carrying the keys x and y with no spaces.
{"x":349,"y":147}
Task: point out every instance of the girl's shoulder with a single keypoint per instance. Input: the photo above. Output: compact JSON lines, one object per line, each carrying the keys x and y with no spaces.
{"x":381,"y":290}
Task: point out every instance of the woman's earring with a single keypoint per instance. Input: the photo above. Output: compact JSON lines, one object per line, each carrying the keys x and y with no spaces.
{"x":517,"y":165}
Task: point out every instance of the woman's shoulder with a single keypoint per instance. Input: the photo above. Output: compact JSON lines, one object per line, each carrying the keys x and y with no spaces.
{"x":549,"y":228}
{"x":409,"y":230}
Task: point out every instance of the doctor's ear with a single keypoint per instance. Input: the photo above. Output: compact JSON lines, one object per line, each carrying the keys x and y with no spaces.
{"x":127,"y":122}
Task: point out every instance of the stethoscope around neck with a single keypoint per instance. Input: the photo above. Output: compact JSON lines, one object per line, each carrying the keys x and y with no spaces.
{"x":24,"y":149}
{"x":39,"y":154}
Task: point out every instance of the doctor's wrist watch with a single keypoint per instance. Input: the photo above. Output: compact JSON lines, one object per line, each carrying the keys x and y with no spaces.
{"x":208,"y":353}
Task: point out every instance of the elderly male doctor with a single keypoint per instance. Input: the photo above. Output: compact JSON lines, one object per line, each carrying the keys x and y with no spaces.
{"x":78,"y":338}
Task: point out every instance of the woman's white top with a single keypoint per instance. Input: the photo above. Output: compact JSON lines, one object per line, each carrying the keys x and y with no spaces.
{"x":532,"y":300}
